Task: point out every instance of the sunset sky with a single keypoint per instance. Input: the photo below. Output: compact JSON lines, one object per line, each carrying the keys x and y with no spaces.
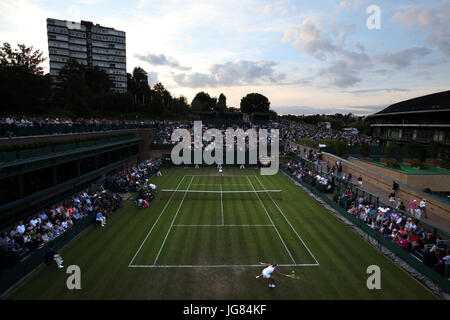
{"x":307,"y":56}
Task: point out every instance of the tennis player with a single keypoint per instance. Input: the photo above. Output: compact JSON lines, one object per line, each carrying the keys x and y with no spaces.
{"x":267,"y":273}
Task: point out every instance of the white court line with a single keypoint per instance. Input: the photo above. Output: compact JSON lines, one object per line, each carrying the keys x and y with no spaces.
{"x":281,"y":211}
{"x":225,"y":176}
{"x":218,"y":184}
{"x":170,"y":199}
{"x":173,"y":220}
{"x":271,"y":220}
{"x":216,"y":265}
{"x":221,"y":203}
{"x":223,"y":225}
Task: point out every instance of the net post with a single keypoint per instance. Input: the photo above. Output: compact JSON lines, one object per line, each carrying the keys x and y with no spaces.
{"x":160,"y":194}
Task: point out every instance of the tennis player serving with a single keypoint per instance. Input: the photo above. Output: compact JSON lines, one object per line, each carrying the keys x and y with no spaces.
{"x":267,"y":273}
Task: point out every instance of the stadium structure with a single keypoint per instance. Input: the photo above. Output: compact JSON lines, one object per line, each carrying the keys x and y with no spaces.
{"x":422,"y":119}
{"x":185,"y":231}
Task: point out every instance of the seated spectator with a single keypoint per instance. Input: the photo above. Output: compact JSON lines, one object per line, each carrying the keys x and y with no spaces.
{"x":102,"y":219}
{"x":402,"y":242}
{"x":56,"y":230}
{"x":52,"y":255}
{"x":76,"y":217}
{"x":45,"y":238}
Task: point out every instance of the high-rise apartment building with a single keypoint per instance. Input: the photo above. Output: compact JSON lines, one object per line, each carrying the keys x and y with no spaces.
{"x":91,"y":45}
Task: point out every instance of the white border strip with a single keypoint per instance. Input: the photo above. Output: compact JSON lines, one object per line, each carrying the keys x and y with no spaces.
{"x":216,"y":265}
{"x":224,"y":176}
{"x":223,"y":225}
{"x":218,"y":184}
{"x":221,"y":204}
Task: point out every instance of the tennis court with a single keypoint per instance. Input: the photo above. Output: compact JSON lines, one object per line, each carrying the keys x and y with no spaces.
{"x":214,"y":215}
{"x":206,"y":239}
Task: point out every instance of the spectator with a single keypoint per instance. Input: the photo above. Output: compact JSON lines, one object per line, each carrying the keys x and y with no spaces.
{"x":423,"y":208}
{"x":395,"y":187}
{"x":412,"y":207}
{"x":52,"y":255}
{"x":101,"y":218}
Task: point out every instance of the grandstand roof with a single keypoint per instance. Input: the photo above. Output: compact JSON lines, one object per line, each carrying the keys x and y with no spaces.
{"x":439,"y":101}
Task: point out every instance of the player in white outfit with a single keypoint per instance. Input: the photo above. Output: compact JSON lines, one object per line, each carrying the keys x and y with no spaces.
{"x":267,"y":273}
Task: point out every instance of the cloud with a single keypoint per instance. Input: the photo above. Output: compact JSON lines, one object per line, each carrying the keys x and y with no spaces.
{"x":403,"y":58}
{"x":344,"y":4}
{"x":341,"y":73}
{"x":161,"y":60}
{"x":305,"y":110}
{"x":24,"y":21}
{"x":309,"y":38}
{"x":232,"y":73}
{"x":435,"y":23}
{"x":89,"y":2}
{"x":389,"y":90}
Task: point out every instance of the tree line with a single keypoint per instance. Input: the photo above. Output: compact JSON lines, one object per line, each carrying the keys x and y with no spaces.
{"x":83,"y":91}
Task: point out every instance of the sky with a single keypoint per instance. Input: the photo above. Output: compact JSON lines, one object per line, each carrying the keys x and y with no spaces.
{"x":306,"y":57}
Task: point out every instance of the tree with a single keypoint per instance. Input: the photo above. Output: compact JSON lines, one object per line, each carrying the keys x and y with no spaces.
{"x":434,"y":149}
{"x":203,"y":102}
{"x":221,"y":105}
{"x":364,"y":149}
{"x":165,"y":95}
{"x":411,"y":149}
{"x":340,"y":147}
{"x":98,"y":80}
{"x":273,"y":115}
{"x":78,"y":85}
{"x":72,"y":90}
{"x":157,"y":104}
{"x":254,"y":102}
{"x":180,"y":105}
{"x":138,"y":86}
{"x":362,"y":126}
{"x":23,"y":58}
{"x":391,"y":150}
{"x":23,"y":85}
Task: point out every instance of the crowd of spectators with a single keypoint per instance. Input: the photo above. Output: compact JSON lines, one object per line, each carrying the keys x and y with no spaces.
{"x":291,"y":130}
{"x":294,"y":130}
{"x":33,"y":233}
{"x":403,"y":230}
{"x":9,"y":126}
{"x":391,"y":221}
{"x":307,"y":175}
{"x":39,"y":121}
{"x":163,"y":135}
{"x":131,"y":179}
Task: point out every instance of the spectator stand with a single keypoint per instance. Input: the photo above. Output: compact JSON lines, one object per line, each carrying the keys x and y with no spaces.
{"x":418,"y":258}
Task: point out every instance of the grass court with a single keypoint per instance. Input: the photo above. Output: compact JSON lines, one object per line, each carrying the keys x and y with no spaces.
{"x":205,"y":241}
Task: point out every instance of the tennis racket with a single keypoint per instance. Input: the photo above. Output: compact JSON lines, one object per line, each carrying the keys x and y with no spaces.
{"x":292,"y":275}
